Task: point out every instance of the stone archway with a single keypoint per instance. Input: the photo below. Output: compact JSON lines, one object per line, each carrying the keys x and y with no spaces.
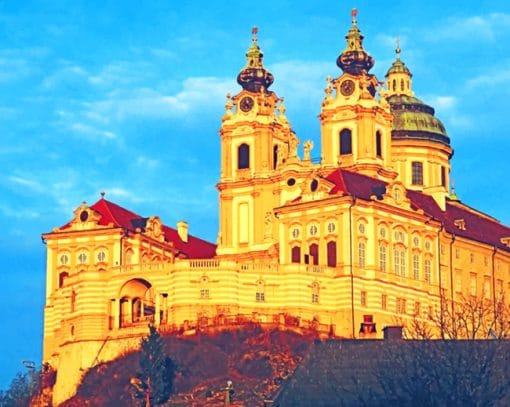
{"x":137,"y":303}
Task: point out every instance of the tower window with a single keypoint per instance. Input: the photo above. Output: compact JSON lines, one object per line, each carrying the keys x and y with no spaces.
{"x":378,"y":143}
{"x":443,"y":176}
{"x":275,"y":156}
{"x":345,"y":142}
{"x":331,"y":248}
{"x":243,"y":156}
{"x":314,"y":253}
{"x":417,"y":173}
{"x":296,"y":254}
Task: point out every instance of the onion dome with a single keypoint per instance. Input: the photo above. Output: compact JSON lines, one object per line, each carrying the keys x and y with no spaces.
{"x":354,"y":60}
{"x":254,"y":77}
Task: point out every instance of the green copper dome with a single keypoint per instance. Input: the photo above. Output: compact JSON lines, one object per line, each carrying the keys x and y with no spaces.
{"x":415,"y":120}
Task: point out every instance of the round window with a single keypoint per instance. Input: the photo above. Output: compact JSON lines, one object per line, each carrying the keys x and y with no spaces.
{"x":314,"y":185}
{"x":295,"y":233}
{"x":313,"y":230}
{"x":64,"y":259}
{"x":291,"y":182}
{"x":84,"y":215}
{"x":331,"y":227}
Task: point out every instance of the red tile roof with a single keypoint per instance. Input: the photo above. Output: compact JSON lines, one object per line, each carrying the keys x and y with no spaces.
{"x":112,"y":213}
{"x":478,"y":226}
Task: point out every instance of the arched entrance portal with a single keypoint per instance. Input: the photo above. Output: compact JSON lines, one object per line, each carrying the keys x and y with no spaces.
{"x":137,"y":303}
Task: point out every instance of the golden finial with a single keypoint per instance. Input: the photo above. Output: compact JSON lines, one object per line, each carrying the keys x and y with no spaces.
{"x":329,"y":88}
{"x":398,"y":50}
{"x":254,"y":32}
{"x":103,"y":194}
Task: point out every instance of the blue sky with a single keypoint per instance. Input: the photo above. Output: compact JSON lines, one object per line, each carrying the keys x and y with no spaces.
{"x":127,"y":97}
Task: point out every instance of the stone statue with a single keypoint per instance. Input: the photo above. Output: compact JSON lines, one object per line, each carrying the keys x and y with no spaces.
{"x":307,"y":148}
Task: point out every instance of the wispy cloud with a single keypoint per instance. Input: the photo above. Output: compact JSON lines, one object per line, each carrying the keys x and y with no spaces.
{"x":491,"y":79}
{"x":473,"y":28}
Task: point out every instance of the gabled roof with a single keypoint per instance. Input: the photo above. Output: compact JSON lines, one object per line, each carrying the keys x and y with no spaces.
{"x":113,"y":214}
{"x":478,"y":226}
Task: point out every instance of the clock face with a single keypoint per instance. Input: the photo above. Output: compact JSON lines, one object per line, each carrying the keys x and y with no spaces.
{"x":347,"y":87}
{"x":246,"y":104}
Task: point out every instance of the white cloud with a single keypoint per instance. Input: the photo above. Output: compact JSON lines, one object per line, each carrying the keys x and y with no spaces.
{"x":26,"y":183}
{"x":493,"y":79}
{"x":147,"y":163}
{"x":197,"y":95}
{"x":91,"y":131}
{"x":473,"y":28}
{"x":70,"y":73}
{"x":442,"y":102}
{"x":17,"y":213}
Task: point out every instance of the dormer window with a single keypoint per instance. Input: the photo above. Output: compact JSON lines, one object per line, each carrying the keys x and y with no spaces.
{"x":460,"y":224}
{"x":505,"y":241}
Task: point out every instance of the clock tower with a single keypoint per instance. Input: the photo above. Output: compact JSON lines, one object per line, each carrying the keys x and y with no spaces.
{"x":255,"y":143}
{"x":355,"y":125}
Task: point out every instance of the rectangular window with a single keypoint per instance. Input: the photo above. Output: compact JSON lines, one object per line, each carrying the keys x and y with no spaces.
{"x":260,"y":296}
{"x":472,"y":284}
{"x":399,"y":262}
{"x":417,"y":173}
{"x":401,"y":306}
{"x":204,"y":293}
{"x":384,"y":302}
{"x":382,"y":258}
{"x":417,"y":308}
{"x":458,"y":281}
{"x":416,"y":266}
{"x":487,"y":288}
{"x":363,"y":298}
{"x":472,"y":258}
{"x":361,"y":254}
{"x":428,"y":271}
{"x":443,"y":176}
{"x":499,"y":289}
{"x":315,"y":298}
{"x":296,"y":254}
{"x":457,"y":253}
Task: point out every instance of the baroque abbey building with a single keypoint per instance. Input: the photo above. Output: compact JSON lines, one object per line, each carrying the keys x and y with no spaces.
{"x":345,"y":246}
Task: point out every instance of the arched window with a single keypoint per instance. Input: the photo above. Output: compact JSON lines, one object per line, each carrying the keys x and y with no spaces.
{"x":275,"y":156}
{"x":378,"y":143}
{"x":417,"y":172}
{"x":402,"y":85}
{"x":243,"y":156}
{"x":296,"y":254}
{"x":331,"y":248}
{"x":394,"y":84}
{"x":62,"y":279}
{"x":345,"y":142}
{"x":314,"y":253}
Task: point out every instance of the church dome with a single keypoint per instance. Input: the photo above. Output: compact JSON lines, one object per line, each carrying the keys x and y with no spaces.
{"x":254,"y":77}
{"x":355,"y":60}
{"x":413,"y":119}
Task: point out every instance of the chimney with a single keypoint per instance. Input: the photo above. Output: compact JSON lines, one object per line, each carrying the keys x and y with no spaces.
{"x":182,"y":230}
{"x":393,"y":333}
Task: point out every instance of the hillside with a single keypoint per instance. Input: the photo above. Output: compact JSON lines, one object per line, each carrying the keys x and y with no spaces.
{"x":256,"y":361}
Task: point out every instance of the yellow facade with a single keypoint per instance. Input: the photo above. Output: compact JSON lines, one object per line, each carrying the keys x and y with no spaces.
{"x":368,"y":235}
